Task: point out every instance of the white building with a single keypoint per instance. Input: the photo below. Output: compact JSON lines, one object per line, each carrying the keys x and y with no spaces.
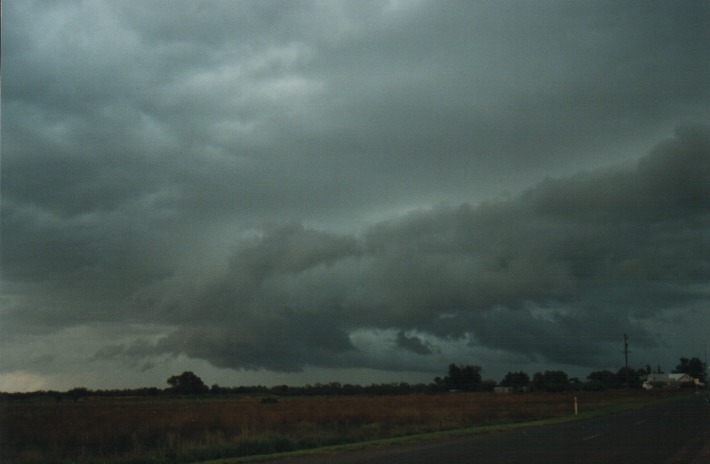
{"x":654,"y":381}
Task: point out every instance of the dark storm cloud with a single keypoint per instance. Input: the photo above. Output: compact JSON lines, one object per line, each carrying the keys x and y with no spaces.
{"x":413,"y":344}
{"x":283,"y":342}
{"x":276,"y":307}
{"x":234,"y":110}
{"x":560,"y":335}
{"x":159,"y":159}
{"x":554,"y":274}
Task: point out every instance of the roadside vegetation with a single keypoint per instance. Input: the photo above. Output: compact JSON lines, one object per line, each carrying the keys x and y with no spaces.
{"x":190,"y":422}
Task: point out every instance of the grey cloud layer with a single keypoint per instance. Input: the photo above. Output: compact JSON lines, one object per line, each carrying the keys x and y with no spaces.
{"x":237,"y":110}
{"x":238,"y":171}
{"x":555,"y":274}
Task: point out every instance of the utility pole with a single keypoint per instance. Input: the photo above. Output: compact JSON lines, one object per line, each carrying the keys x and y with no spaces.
{"x":626,"y":359}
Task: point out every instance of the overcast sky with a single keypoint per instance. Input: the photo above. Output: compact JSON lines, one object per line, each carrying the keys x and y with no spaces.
{"x":270,"y":192}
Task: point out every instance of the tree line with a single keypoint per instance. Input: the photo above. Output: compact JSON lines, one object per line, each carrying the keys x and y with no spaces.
{"x":466,"y":378}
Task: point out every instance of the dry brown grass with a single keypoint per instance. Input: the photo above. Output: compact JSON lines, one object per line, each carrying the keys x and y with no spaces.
{"x":174,"y":430}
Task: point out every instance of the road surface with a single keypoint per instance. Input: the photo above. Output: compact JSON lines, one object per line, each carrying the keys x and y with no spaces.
{"x":676,"y":432}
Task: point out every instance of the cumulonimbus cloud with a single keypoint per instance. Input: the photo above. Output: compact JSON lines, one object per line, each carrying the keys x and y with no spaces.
{"x":536,"y":273}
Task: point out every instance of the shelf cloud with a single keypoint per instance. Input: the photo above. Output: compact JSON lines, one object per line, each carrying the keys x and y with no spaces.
{"x":263,"y":188}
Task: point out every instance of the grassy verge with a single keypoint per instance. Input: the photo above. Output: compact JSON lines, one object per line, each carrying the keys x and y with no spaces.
{"x":444,"y":434}
{"x":187,"y":430}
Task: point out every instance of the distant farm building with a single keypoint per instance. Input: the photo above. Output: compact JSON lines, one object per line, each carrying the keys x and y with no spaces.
{"x":669,"y":381}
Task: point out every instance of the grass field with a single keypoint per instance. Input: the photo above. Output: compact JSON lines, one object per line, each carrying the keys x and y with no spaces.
{"x":135,"y":430}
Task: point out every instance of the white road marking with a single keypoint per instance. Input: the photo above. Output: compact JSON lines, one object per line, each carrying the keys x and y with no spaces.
{"x":591,"y":437}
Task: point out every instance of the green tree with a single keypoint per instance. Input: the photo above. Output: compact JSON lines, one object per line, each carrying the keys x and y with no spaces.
{"x":553,"y":381}
{"x":187,"y":383}
{"x":694,"y":367}
{"x":488,"y":385}
{"x":634,"y":377}
{"x":77,"y":393}
{"x":466,"y":378}
{"x":602,"y":380}
{"x":516,"y":380}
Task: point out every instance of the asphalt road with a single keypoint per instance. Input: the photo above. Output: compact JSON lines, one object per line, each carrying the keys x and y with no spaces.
{"x":676,"y":432}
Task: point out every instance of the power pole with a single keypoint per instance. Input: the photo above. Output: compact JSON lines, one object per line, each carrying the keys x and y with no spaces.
{"x":626,"y":359}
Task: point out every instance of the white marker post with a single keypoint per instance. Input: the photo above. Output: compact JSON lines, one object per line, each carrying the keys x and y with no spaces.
{"x":576,"y":410}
